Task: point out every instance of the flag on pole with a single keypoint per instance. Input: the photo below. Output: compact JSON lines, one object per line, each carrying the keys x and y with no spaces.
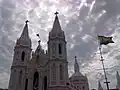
{"x":105,"y":40}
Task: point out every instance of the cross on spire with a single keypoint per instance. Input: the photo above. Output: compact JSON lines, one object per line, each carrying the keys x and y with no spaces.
{"x":56,"y":13}
{"x":26,"y":21}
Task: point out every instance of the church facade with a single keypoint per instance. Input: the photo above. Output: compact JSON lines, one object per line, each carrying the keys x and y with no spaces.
{"x":40,"y":70}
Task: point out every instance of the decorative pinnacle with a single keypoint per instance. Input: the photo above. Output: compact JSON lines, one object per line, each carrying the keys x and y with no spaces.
{"x":75,"y":57}
{"x":39,"y":42}
{"x":39,"y":38}
{"x":56,"y":13}
{"x":26,"y":21}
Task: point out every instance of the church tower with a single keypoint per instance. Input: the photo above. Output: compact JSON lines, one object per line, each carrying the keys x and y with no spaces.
{"x":57,"y":55}
{"x":22,"y":53}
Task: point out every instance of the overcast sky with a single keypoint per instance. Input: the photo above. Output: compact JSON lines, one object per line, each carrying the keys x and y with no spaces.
{"x":81,"y":20}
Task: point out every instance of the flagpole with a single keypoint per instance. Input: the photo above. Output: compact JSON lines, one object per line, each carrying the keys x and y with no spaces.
{"x":102,"y":60}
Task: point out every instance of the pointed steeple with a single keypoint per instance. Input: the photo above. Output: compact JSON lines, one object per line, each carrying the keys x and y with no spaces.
{"x":76,"y":69}
{"x":56,"y":29}
{"x":100,"y":86}
{"x":24,"y":38}
{"x":56,"y":26}
{"x":76,"y":65}
{"x":77,"y":77}
{"x":25,"y":34}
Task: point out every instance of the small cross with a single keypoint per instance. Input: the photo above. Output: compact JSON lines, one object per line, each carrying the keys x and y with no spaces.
{"x":56,"y":13}
{"x":26,"y":21}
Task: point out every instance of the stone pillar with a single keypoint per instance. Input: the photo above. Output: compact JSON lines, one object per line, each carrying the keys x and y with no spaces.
{"x":23,"y":81}
{"x":30,"y":82}
{"x":40,"y":81}
{"x":50,"y":73}
{"x":57,"y":74}
{"x":17,"y":80}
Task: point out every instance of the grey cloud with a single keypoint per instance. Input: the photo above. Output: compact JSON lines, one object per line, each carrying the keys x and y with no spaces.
{"x":117,"y":57}
{"x":85,"y":50}
{"x":6,"y":31}
{"x":111,"y":7}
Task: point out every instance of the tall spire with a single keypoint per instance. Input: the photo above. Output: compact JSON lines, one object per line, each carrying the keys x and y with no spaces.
{"x":100,"y":86}
{"x":56,"y":29}
{"x":76,"y":65}
{"x":24,"y":38}
{"x":56,"y":24}
{"x":25,"y":34}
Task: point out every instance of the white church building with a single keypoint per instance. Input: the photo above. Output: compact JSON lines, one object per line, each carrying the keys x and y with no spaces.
{"x":39,"y":70}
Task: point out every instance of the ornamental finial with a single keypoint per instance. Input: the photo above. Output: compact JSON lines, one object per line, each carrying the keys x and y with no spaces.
{"x":39,"y":38}
{"x":75,"y":57}
{"x":26,"y":21}
{"x":56,"y":13}
{"x":39,"y":42}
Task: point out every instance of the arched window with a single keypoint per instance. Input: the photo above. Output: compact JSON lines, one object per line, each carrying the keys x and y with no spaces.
{"x":20,"y":78}
{"x":23,"y":56}
{"x":60,"y":48}
{"x":26,"y":84}
{"x":61,"y":72}
{"x":53,"y":72}
{"x":36,"y":81}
